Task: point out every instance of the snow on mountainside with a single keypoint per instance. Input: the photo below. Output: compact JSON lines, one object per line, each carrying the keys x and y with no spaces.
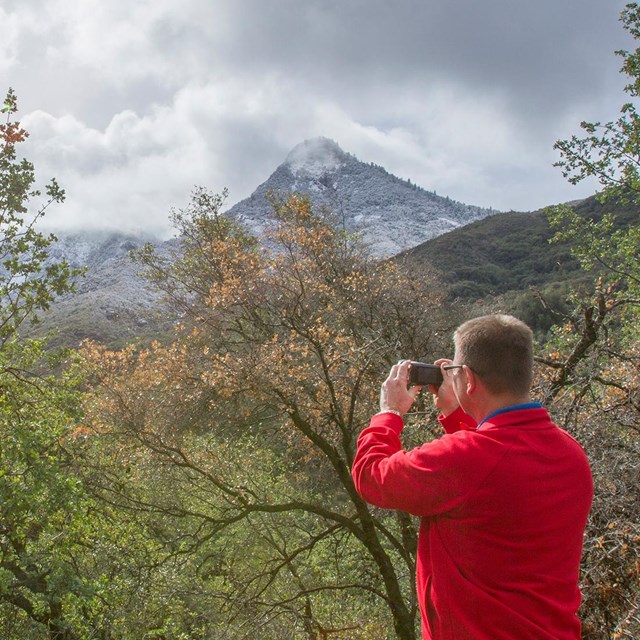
{"x":112,"y":303}
{"x":93,"y":248}
{"x":391,"y":214}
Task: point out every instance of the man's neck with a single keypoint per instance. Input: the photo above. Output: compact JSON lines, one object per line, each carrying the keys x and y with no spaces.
{"x":495,"y":403}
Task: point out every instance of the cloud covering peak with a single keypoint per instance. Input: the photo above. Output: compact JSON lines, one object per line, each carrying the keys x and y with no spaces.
{"x":315,"y":157}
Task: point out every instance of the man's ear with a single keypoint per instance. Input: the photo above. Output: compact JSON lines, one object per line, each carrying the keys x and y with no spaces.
{"x":471,"y":380}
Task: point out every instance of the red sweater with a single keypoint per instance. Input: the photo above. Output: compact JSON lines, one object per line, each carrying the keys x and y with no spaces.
{"x":503,"y":511}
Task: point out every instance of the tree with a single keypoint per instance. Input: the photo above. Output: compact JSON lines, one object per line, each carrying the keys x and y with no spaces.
{"x":27,"y":284}
{"x":252,"y":414}
{"x":41,"y":501}
{"x":593,"y":360}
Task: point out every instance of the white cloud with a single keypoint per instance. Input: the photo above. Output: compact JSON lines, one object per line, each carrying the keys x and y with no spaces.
{"x":127,"y":176}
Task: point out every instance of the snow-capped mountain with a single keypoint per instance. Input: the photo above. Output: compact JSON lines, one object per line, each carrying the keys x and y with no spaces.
{"x":391,"y":214}
{"x":113,"y":303}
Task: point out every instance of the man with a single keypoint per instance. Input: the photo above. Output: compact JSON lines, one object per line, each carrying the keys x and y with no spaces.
{"x":503,"y":495}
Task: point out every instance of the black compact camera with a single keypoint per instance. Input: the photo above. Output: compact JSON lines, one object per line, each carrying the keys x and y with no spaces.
{"x":423,"y":374}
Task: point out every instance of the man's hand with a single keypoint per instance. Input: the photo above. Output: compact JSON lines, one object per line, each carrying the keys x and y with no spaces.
{"x":444,"y":397}
{"x":395,"y":395}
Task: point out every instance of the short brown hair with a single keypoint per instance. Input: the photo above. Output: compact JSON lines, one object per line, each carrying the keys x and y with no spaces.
{"x":499,"y":349}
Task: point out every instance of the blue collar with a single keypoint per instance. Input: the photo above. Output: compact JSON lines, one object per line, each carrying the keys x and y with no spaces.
{"x":513,"y":407}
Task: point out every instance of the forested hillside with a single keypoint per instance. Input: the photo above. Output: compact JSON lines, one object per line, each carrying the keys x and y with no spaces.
{"x":510,"y":251}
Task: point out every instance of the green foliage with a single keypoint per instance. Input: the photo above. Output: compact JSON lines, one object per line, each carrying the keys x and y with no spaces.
{"x":504,"y":252}
{"x":600,"y":245}
{"x":542,"y":308}
{"x":42,"y":501}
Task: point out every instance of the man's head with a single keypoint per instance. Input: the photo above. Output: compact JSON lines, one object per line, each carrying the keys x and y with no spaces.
{"x":499,"y":350}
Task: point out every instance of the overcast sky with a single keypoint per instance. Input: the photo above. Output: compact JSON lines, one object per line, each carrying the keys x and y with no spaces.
{"x":132,"y":104}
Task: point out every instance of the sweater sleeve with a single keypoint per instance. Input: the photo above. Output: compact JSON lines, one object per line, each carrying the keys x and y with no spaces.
{"x":429,"y":480}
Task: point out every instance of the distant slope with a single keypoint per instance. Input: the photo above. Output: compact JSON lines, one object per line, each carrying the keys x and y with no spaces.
{"x":112,"y":303}
{"x":390,"y":213}
{"x":506,"y":252}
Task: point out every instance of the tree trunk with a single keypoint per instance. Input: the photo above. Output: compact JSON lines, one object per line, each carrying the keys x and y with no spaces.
{"x":403,"y":617}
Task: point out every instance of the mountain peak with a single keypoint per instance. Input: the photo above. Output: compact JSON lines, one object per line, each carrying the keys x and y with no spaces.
{"x":388,"y":213}
{"x":315,"y":157}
